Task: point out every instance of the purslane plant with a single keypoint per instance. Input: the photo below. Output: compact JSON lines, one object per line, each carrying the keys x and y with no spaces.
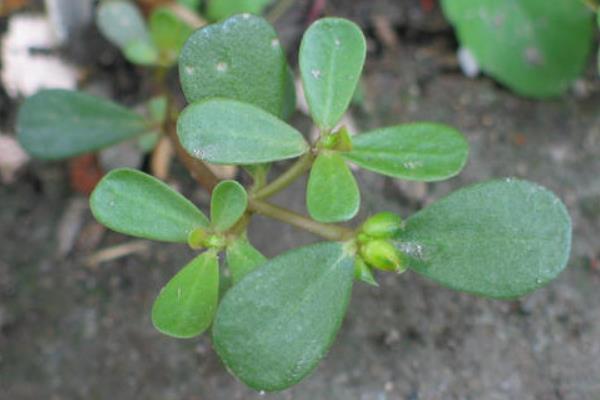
{"x":500,"y":239}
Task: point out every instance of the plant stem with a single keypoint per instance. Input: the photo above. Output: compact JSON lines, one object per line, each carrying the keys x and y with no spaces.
{"x":279,"y":9}
{"x":287,"y":178}
{"x":330,"y":232}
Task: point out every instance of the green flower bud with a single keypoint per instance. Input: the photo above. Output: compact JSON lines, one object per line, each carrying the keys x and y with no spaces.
{"x":197,"y":238}
{"x":383,"y":225}
{"x":381,"y":254}
{"x":215,"y":242}
{"x":200,"y":238}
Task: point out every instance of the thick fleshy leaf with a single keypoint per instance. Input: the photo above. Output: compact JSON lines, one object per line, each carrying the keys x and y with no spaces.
{"x":137,"y":204}
{"x":229,"y":132}
{"x":420,"y":151}
{"x":187,"y":304}
{"x":535,"y":47}
{"x":217,"y":10}
{"x":243,"y":258}
{"x":169,"y":33}
{"x":498,"y":239}
{"x":239,"y":59}
{"x":227,"y":205}
{"x":122,"y":23}
{"x":56,"y":123}
{"x":273,"y":327}
{"x":332,"y":194}
{"x":332,"y":55}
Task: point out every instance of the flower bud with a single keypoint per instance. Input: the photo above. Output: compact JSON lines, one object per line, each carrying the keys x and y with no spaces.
{"x":200,"y":238}
{"x":381,"y":254}
{"x":383,"y":225}
{"x":197,"y":238}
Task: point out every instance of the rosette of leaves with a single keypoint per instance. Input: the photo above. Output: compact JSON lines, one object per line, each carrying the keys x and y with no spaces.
{"x":499,"y":239}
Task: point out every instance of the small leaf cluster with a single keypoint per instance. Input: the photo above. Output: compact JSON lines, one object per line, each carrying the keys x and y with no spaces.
{"x":273,"y":320}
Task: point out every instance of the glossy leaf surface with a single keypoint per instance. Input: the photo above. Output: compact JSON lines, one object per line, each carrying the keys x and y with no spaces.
{"x":420,"y":151}
{"x":187,"y":304}
{"x":56,"y":123}
{"x":332,"y":55}
{"x":243,"y":258}
{"x":332,"y":194}
{"x":137,"y":204}
{"x":239,"y":59}
{"x":274,"y":326}
{"x":227,"y":205}
{"x":535,"y":47}
{"x":229,"y":132}
{"x":499,"y":239}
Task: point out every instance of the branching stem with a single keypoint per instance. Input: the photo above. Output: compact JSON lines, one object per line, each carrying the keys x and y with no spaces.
{"x":287,"y":178}
{"x":328,"y":231}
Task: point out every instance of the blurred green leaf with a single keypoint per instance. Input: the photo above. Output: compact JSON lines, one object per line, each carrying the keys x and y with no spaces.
{"x":186,"y":306}
{"x":122,"y":23}
{"x":227,"y":205}
{"x":243,"y":258}
{"x":499,"y":239}
{"x":332,"y":194}
{"x":273,"y":327}
{"x":419,"y":151}
{"x":239,"y":59}
{"x":56,"y":123}
{"x":535,"y":47}
{"x":193,"y":5}
{"x":169,"y":33}
{"x":332,"y":55}
{"x":137,"y":204}
{"x":217,"y":10}
{"x":141,"y":52}
{"x":229,"y":132}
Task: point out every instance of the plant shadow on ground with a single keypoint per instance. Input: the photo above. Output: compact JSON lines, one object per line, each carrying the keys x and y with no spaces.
{"x":69,"y":332}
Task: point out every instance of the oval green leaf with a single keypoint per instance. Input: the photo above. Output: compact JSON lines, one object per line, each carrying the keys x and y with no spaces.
{"x":137,"y":204}
{"x":227,"y":205}
{"x":332,"y":194}
{"x":332,"y":55}
{"x":238,"y":59}
{"x":535,"y":47}
{"x":275,"y":325}
{"x":420,"y":151}
{"x":122,"y":23}
{"x":56,"y":123}
{"x":217,"y":10}
{"x":186,"y":306}
{"x":224,"y":131}
{"x":498,"y":239}
{"x":243,"y":258}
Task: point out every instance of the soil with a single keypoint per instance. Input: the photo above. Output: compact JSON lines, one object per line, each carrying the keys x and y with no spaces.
{"x":71,"y":331}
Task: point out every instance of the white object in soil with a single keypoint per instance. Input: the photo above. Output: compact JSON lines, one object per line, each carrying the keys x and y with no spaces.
{"x":468,"y":63}
{"x":29,"y":60}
